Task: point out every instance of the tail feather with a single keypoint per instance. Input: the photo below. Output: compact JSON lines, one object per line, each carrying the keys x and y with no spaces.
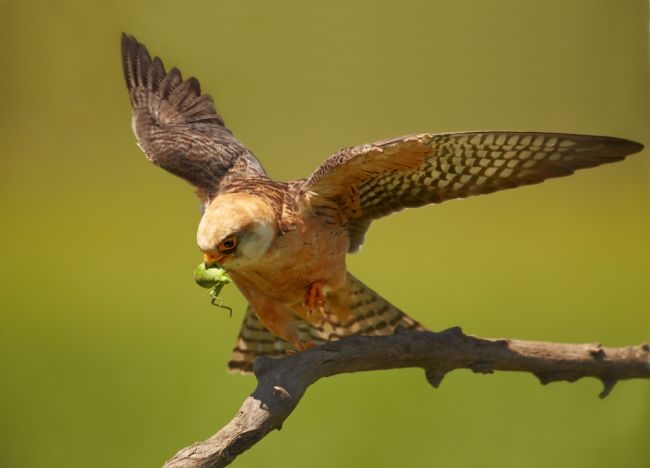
{"x":256,"y":340}
{"x":353,"y":309}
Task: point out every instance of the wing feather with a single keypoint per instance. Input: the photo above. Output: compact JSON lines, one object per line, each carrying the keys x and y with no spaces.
{"x":177,"y":127}
{"x":371,"y":181}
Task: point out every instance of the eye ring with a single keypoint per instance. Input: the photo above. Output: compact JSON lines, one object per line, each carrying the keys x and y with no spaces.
{"x":228,"y":244}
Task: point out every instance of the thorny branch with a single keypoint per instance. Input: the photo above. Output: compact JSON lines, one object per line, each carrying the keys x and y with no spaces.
{"x":282,"y":382}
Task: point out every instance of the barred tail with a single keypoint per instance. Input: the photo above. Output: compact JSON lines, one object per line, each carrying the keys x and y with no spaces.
{"x":353,"y":309}
{"x":256,"y":340}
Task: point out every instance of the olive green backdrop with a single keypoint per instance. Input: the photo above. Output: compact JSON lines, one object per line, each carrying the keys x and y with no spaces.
{"x":111,"y":356}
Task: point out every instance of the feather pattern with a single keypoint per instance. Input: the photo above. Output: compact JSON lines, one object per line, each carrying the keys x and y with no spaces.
{"x":177,"y":127}
{"x":321,"y":218}
{"x":371,"y":181}
{"x":353,"y":309}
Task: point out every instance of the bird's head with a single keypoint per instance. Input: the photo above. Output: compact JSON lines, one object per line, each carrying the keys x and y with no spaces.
{"x":236,"y":230}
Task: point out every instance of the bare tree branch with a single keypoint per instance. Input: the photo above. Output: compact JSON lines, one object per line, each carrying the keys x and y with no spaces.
{"x":282,"y":382}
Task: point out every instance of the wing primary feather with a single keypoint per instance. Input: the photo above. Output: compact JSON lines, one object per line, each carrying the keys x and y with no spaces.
{"x":127,"y":64}
{"x":157,"y":74}
{"x":173,"y":79}
{"x":144,"y":60}
{"x":371,"y":181}
{"x":179,"y":128}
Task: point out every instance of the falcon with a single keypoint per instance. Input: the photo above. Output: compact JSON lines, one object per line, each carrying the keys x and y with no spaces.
{"x":284,"y":244}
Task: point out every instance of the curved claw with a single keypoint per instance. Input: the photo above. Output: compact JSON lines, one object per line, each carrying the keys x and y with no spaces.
{"x":315,"y":297}
{"x":301,"y":347}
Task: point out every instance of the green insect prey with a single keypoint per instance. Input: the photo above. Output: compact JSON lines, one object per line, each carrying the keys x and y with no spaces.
{"x":215,"y":278}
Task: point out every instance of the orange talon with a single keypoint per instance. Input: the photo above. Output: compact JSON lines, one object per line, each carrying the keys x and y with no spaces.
{"x":315,"y":297}
{"x":300,"y":347}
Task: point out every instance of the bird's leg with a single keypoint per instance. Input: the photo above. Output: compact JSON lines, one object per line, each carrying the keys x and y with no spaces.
{"x":315,"y":297}
{"x":300,"y":346}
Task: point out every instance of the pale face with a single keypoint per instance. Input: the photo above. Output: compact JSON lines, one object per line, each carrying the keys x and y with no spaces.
{"x":236,"y":230}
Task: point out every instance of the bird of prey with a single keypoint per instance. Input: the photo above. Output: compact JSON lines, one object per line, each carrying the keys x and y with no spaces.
{"x":284,"y":244}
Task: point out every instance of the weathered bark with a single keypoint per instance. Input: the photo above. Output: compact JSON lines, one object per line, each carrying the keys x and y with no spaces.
{"x":282,"y":382}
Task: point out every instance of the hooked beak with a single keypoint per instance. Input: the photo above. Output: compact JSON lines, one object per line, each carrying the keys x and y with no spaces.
{"x":211,"y":258}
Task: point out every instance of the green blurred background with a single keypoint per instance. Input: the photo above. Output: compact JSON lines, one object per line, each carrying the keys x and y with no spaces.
{"x":111,"y":356}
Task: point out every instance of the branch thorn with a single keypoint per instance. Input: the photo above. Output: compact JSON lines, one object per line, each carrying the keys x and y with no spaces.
{"x":434,"y":376}
{"x":608,"y":384}
{"x":481,"y":368}
{"x":453,"y":331}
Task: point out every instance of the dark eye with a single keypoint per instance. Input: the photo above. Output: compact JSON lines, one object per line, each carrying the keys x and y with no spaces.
{"x":228,"y":244}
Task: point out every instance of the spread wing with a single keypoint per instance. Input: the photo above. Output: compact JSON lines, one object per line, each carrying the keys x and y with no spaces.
{"x":353,"y":309}
{"x":357,"y":185}
{"x":178,"y":127}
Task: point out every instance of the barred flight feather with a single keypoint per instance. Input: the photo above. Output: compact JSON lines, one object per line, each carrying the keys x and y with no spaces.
{"x":177,"y":127}
{"x":371,"y":181}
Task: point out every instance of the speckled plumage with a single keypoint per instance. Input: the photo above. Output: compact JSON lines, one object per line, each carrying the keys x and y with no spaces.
{"x":371,"y":181}
{"x":311,"y":224}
